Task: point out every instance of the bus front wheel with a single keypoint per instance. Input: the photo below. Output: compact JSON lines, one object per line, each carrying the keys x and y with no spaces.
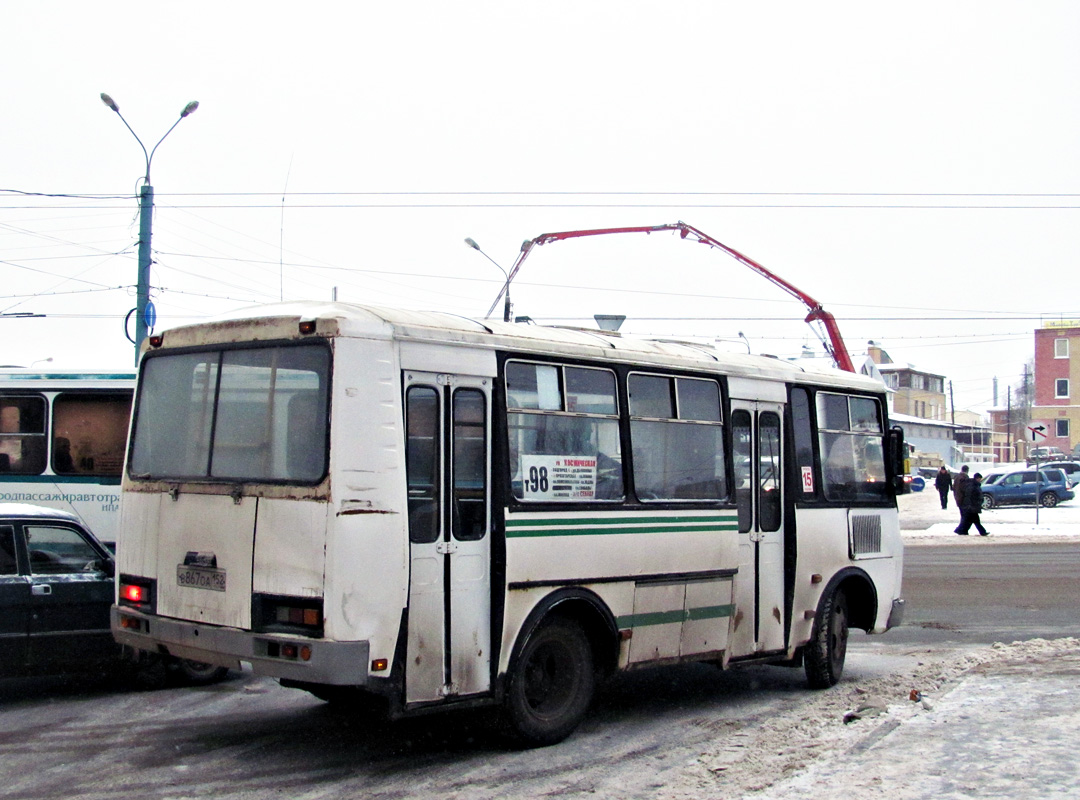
{"x":824,"y":656}
{"x":551,"y":686}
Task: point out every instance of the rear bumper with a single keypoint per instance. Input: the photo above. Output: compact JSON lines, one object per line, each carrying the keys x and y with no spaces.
{"x":335,"y":663}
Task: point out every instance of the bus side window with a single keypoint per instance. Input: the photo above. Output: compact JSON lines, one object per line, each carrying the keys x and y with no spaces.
{"x":89,"y":433}
{"x":422,"y":462}
{"x":769,"y":505}
{"x":742,"y":453}
{"x":470,"y":465}
{"x":22,"y":434}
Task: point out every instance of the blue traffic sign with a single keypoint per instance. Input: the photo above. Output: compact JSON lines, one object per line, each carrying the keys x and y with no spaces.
{"x":150,"y":316}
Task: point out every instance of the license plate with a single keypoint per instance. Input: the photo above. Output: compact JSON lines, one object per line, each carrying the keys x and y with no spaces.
{"x":200,"y":578}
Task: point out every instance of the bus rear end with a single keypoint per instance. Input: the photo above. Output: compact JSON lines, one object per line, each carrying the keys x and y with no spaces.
{"x":226,"y":505}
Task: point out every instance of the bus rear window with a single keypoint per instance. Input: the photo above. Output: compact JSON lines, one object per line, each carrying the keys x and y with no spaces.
{"x":237,"y":415}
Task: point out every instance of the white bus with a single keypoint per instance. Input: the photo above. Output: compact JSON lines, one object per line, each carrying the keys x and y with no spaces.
{"x":441,"y":512}
{"x":62,"y":441}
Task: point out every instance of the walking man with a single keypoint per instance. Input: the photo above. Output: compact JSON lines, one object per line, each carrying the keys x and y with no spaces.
{"x":971,"y":507}
{"x":943,"y":484}
{"x":958,"y":491}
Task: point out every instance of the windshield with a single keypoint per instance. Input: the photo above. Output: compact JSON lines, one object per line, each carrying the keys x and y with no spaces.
{"x":239,"y":415}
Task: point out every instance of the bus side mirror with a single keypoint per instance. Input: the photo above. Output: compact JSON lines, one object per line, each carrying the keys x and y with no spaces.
{"x":898,"y":459}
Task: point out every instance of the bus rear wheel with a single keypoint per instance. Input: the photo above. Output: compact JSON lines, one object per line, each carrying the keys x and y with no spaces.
{"x":824,"y":656}
{"x":551,"y":685}
{"x":196,"y":673}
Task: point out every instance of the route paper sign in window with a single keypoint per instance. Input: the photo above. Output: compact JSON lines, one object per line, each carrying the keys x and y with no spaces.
{"x":558,"y":477}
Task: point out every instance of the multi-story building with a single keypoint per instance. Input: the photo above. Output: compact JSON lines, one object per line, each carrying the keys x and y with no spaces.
{"x":1057,"y":385}
{"x":915,"y":392}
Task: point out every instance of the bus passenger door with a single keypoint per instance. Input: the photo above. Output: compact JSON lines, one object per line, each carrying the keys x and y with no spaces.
{"x":448,"y":423}
{"x":759,"y":601}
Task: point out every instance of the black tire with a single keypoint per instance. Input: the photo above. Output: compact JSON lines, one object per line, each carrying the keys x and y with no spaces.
{"x":987,"y":501}
{"x":550,"y":685}
{"x":1048,"y":500}
{"x":824,"y":656}
{"x":196,"y":673}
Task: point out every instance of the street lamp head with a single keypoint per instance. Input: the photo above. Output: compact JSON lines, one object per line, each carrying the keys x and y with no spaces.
{"x":472,"y":244}
{"x":190,"y":108}
{"x":110,"y":102}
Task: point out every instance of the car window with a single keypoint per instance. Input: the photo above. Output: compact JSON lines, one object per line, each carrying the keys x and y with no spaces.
{"x":8,"y":564}
{"x":56,"y":550}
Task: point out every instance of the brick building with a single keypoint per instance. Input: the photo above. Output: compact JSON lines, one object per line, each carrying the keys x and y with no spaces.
{"x":1057,"y":384}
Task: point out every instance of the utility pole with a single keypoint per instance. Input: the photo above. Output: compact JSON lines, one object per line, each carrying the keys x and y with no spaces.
{"x":144,"y":309}
{"x":1009,"y":424}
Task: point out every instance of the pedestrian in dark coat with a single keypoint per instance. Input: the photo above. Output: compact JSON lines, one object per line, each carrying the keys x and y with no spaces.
{"x":971,"y":507}
{"x":943,"y":483}
{"x":957,"y":491}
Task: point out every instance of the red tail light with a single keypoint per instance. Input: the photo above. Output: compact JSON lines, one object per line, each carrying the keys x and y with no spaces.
{"x":133,"y":593}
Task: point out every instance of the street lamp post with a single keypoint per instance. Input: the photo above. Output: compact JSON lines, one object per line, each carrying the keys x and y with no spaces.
{"x":146,"y":213}
{"x":506,"y":286}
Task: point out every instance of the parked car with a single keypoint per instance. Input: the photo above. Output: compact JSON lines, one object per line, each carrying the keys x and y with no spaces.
{"x":56,"y":589}
{"x":1045,"y":454}
{"x":1027,"y":486}
{"x":1071,"y":469}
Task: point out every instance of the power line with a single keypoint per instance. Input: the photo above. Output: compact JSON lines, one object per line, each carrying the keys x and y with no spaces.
{"x":551,"y":193}
{"x":609,"y":205}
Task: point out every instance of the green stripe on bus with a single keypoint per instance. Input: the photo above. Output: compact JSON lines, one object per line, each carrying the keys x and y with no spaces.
{"x":711,"y":612}
{"x":672,"y":617}
{"x":726,"y":526}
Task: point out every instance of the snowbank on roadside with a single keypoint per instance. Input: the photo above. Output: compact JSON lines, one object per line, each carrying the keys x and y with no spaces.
{"x":765,"y":761}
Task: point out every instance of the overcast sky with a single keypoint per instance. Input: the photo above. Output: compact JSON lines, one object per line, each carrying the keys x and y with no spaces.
{"x":913,"y":166}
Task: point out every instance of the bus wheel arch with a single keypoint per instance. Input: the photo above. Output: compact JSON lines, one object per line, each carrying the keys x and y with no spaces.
{"x":849,"y":601}
{"x":566,"y":643}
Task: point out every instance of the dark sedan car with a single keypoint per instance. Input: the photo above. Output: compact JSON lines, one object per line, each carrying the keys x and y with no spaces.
{"x":56,"y":589}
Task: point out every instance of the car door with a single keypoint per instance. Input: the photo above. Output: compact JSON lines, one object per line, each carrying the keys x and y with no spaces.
{"x":14,"y":605}
{"x":71,"y":591}
{"x":1011,"y":488}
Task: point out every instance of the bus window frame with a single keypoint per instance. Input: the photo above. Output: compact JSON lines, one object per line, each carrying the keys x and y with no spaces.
{"x":503,"y":409}
{"x":820,"y":497}
{"x":221,"y":348}
{"x":44,"y":434}
{"x":678,"y":420}
{"x":67,"y":394}
{"x":502,"y":491}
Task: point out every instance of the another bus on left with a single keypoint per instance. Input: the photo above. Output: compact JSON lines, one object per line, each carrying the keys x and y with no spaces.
{"x":62,"y":441}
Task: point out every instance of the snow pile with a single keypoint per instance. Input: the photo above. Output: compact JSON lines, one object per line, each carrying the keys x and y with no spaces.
{"x":752,"y":759}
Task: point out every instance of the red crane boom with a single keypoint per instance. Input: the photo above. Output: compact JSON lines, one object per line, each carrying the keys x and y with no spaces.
{"x":835,"y":346}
